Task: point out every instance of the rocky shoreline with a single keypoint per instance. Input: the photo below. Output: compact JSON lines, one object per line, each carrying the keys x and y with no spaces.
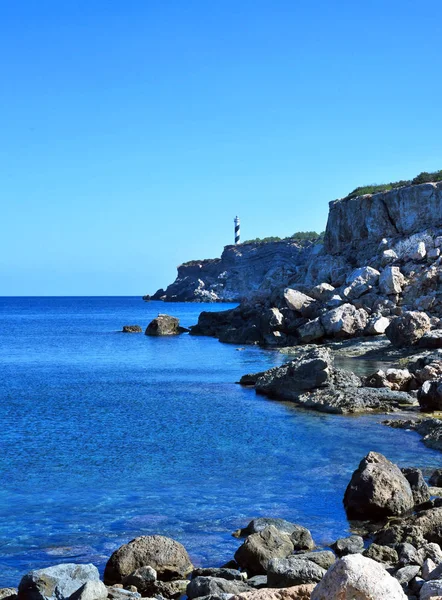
{"x":393,"y":553}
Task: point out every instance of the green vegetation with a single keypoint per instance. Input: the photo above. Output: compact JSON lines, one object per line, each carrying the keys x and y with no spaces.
{"x":299,"y":236}
{"x":423,"y":177}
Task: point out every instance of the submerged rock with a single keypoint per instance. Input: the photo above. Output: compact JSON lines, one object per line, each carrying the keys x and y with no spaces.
{"x":377,"y":489}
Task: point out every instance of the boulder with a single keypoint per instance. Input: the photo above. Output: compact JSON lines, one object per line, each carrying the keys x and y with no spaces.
{"x":417,"y":483}
{"x":430,"y":396}
{"x":436,"y":478}
{"x":322,"y":292}
{"x":406,"y":574}
{"x":382,"y":554}
{"x":208,"y":586}
{"x":344,"y":321}
{"x":323,"y":558}
{"x":222,"y":572}
{"x":164,"y":325}
{"x":297,"y":301}
{"x":118,"y":593}
{"x":376,"y":325}
{"x":91,"y":590}
{"x":377,"y":489}
{"x":297,"y":592}
{"x":259,"y":548}
{"x":142,"y":579}
{"x":294,"y":570}
{"x":388,"y":256}
{"x":356,"y":577}
{"x":311,"y":331}
{"x":407,"y":329}
{"x":132,"y":329}
{"x":57,"y":582}
{"x":348,"y":545}
{"x":431,"y":339}
{"x":431,"y":590}
{"x":8,"y":593}
{"x":360,"y":281}
{"x":310,"y":371}
{"x":300,"y":537}
{"x":168,"y":557}
{"x":391,"y":281}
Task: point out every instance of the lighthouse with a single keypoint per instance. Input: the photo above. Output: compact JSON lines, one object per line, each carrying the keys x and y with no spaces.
{"x":237,"y":233}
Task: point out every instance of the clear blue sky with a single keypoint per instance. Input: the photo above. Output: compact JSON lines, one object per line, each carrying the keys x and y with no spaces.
{"x":134,"y":131}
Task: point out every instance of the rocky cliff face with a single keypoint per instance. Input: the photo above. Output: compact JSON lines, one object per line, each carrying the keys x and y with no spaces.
{"x":242,"y":271}
{"x":357,"y":225}
{"x":355,"y":230}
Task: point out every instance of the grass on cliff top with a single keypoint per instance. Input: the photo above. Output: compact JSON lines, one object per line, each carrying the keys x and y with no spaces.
{"x":299,"y":236}
{"x":423,"y":177}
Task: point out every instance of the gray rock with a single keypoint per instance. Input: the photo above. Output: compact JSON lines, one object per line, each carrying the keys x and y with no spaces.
{"x":436,"y":478}
{"x":431,"y":339}
{"x":388,"y":256}
{"x":222,"y":572}
{"x":417,"y":483}
{"x":56,"y":583}
{"x":142,"y":579}
{"x":407,"y":329}
{"x":360,"y":281}
{"x":287,"y":572}
{"x":408,"y":555}
{"x":344,"y":321}
{"x":323,"y":558}
{"x":257,"y":582}
{"x":311,"y":331}
{"x":164,"y":325}
{"x":322,"y":292}
{"x":297,"y":301}
{"x":382,"y":554}
{"x":132,"y":329}
{"x":431,"y":590}
{"x":377,"y":489}
{"x":8,"y":593}
{"x":283,"y":526}
{"x":348,"y":545}
{"x":114,"y":593}
{"x":259,"y":548}
{"x":206,"y":586}
{"x":168,"y":557}
{"x":358,"y":577}
{"x":406,"y":574}
{"x":430,"y":396}
{"x":91,"y":590}
{"x":376,"y":325}
{"x":391,"y":281}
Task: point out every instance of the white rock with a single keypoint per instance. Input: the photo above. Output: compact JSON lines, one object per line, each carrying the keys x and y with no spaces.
{"x":419,"y":252}
{"x":360,"y":281}
{"x":296,"y":300}
{"x":56,"y":582}
{"x":356,"y":577}
{"x":427,"y":568}
{"x":91,"y":590}
{"x":377,"y":325}
{"x":388,"y":256}
{"x":391,"y":281}
{"x":344,"y":321}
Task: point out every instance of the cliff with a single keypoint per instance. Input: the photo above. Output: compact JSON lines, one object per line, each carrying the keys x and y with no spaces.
{"x":242,"y":271}
{"x":355,"y":229}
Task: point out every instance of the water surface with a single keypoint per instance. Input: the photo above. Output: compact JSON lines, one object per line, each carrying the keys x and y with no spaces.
{"x":106,"y":436}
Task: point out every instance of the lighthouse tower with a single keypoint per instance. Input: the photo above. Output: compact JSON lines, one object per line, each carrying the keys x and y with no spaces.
{"x":237,"y":232}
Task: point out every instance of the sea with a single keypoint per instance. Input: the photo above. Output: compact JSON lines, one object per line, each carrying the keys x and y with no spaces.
{"x":107,"y":436}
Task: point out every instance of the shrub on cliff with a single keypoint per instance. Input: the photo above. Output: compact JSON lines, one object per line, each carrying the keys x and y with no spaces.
{"x":375,"y":188}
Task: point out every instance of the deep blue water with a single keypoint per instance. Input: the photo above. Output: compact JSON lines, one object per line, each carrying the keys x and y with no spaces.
{"x":106,"y":436}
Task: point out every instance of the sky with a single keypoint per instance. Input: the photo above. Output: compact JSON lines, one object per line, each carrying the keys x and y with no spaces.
{"x":133,"y":132}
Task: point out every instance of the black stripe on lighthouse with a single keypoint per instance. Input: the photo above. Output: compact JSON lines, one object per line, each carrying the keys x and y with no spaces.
{"x":237,"y":231}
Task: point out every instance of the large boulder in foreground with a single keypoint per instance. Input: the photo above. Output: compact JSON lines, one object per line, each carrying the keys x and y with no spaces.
{"x":356,"y":577}
{"x":164,"y":325}
{"x":56,"y":582}
{"x":168,"y":557}
{"x":408,"y":329}
{"x":259,"y":549}
{"x":377,"y":489}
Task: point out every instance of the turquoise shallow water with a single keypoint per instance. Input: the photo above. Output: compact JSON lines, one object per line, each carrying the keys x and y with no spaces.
{"x":106,"y":436}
